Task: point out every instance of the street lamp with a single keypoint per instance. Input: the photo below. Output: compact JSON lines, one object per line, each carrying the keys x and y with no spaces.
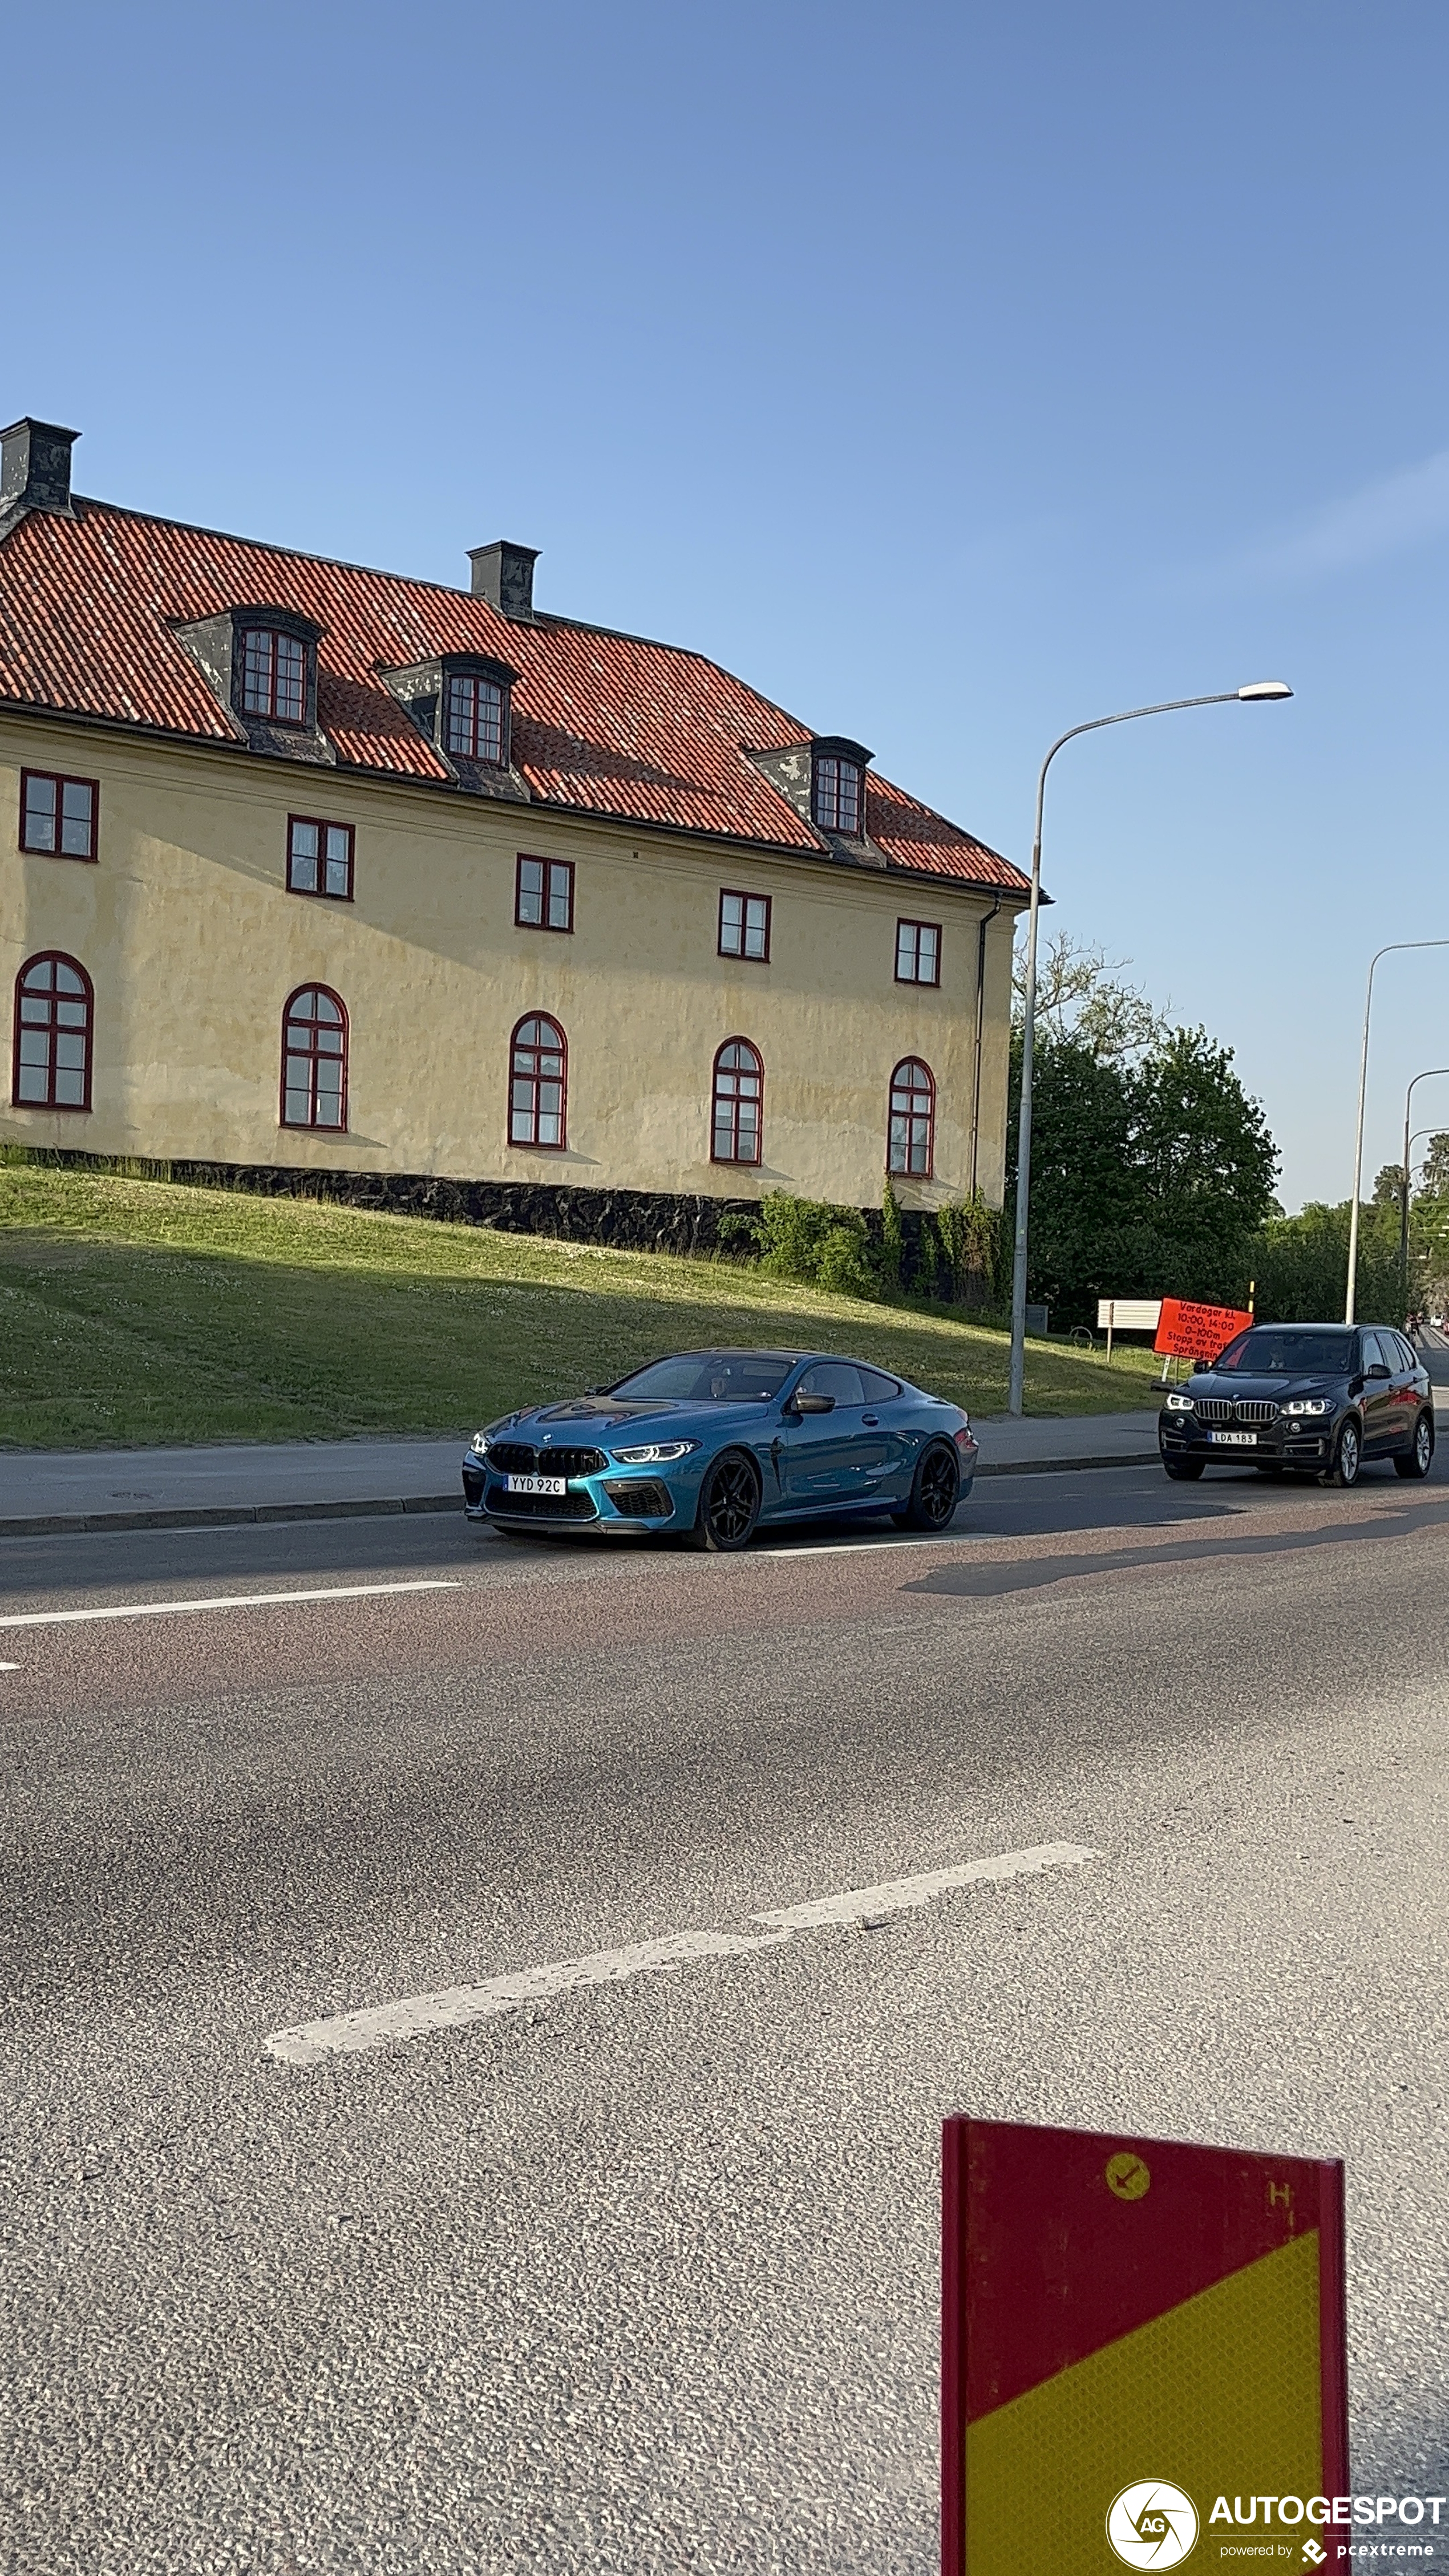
{"x":1170,"y":706}
{"x":1394,"y":948}
{"x":1431,"y":1074}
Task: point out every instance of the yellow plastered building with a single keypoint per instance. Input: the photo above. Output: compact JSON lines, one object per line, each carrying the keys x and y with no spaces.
{"x":319,"y":869}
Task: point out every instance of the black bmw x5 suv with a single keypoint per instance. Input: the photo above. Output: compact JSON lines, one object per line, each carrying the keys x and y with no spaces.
{"x":1314,"y":1399}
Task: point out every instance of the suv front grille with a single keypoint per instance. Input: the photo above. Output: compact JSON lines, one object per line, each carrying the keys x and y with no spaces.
{"x":1249,"y":1411}
{"x":511,"y":1458}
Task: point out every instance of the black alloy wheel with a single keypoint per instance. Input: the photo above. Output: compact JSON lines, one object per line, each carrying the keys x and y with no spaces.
{"x":729,"y":1505}
{"x":1347,"y":1456}
{"x":935,"y":1490}
{"x":1419,"y":1458}
{"x":1184,"y":1471}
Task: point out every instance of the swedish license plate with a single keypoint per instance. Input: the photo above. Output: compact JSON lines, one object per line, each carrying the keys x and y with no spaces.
{"x":537,"y":1484}
{"x":1233,"y":1439}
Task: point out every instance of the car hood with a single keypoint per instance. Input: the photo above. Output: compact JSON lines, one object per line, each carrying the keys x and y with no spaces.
{"x":601,"y":1419}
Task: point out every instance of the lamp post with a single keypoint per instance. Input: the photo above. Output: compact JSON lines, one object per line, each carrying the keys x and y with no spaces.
{"x":1255,"y":689}
{"x":1430,"y":1074}
{"x":1394,"y":948}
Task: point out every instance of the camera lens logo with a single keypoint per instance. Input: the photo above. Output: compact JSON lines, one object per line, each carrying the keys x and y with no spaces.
{"x":1152,"y":2524}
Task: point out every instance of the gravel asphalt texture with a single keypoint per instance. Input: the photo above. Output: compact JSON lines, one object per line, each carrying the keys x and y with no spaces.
{"x":646,"y":2279}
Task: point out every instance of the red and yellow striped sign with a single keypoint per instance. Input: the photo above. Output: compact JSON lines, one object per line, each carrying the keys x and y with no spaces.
{"x":1123,"y":2310}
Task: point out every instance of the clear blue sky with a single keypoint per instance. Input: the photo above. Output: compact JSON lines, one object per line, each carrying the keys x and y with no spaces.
{"x":953,"y":372}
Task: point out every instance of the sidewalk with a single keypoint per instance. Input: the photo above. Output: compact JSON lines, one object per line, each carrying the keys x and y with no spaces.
{"x":49,"y":1490}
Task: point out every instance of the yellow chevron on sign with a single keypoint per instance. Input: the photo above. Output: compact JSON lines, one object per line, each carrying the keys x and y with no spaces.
{"x":1221,"y":2396}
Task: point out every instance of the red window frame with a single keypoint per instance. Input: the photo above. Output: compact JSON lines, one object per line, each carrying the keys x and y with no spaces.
{"x":525,"y":1068}
{"x":917,"y":1124}
{"x":916,"y":928}
{"x":736,"y":894}
{"x":462,"y":700}
{"x":260,"y":695}
{"x":312,"y":1055}
{"x":829,"y":801}
{"x":727,"y":1103}
{"x":316,"y":823}
{"x":55,"y":778}
{"x":552,"y":869}
{"x":52,"y":1026}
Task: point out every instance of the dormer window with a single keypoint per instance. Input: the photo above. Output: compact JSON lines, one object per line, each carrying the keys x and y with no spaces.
{"x":474,"y":718}
{"x":837,"y":800}
{"x":274,"y":675}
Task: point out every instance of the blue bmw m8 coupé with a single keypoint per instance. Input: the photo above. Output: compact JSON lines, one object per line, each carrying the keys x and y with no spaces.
{"x":712,"y":1445}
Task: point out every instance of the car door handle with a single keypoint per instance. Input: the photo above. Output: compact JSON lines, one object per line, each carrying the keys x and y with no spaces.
{"x":871,"y":1421}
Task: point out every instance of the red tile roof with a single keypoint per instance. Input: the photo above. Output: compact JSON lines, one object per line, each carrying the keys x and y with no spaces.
{"x":603,"y":724}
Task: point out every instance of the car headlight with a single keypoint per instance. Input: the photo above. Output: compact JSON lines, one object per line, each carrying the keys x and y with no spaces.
{"x":1307,"y":1404}
{"x":655,"y":1453}
{"x":1180,"y":1404}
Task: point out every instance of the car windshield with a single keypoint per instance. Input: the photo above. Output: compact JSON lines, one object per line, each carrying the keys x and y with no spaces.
{"x":707,"y":1377}
{"x":1278,"y":1351}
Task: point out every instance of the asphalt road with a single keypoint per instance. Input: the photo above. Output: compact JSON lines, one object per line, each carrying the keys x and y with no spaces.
{"x":640,"y":2274}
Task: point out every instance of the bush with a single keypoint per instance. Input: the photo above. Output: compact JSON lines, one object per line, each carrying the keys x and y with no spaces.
{"x":892,"y":1237}
{"x":968,"y":1232}
{"x":828,"y":1247}
{"x":844,"y":1264}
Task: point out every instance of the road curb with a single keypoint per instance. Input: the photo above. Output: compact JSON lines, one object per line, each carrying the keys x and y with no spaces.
{"x":243,"y":1515}
{"x":224,"y":1516}
{"x":1061,"y":1466}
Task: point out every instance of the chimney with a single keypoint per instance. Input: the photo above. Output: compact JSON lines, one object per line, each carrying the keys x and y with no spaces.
{"x":35,"y":468}
{"x":503,"y":575}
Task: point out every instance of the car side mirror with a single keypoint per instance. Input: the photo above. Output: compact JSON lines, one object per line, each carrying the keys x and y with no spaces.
{"x":1378,"y":1370}
{"x":1200,"y":1367}
{"x":812,"y":1404}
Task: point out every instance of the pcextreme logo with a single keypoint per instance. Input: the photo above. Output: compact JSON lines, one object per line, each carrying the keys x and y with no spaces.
{"x":1152,"y":2524}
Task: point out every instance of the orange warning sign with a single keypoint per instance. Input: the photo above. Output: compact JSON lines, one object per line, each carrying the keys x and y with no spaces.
{"x":1133,"y":2331}
{"x":1188,"y":1332}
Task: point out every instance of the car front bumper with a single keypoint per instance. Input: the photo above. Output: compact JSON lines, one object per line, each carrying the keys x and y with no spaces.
{"x":1290,"y":1441}
{"x":621,"y":1500}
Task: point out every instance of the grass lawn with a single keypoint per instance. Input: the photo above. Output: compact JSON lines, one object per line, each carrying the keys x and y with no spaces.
{"x":136,"y":1313}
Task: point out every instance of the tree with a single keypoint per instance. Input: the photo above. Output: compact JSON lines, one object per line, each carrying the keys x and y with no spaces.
{"x":1152,"y":1170}
{"x":1206,"y":1159}
{"x":1389,"y":1185}
{"x":1078,"y":996}
{"x":1300,"y":1264}
{"x":1435,"y":1177}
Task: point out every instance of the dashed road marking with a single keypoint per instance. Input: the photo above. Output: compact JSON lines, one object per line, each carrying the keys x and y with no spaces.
{"x":453,"y":2007}
{"x":218,"y":1601}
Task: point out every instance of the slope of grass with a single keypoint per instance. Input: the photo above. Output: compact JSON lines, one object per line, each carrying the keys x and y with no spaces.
{"x":136,"y":1312}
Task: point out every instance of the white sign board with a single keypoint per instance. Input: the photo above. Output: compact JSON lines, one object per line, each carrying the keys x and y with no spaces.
{"x":1129,"y":1314}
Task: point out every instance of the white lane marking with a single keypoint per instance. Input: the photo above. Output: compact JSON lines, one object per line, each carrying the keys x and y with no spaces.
{"x":905,"y":1895}
{"x":219,"y":1601}
{"x":9,"y":1668}
{"x":451,"y":2007}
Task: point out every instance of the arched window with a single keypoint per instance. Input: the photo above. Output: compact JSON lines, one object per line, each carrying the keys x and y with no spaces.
{"x":913,"y":1120}
{"x":314,"y":1059}
{"x":739,"y":1090}
{"x":54,"y":1011}
{"x":538,"y":1085}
